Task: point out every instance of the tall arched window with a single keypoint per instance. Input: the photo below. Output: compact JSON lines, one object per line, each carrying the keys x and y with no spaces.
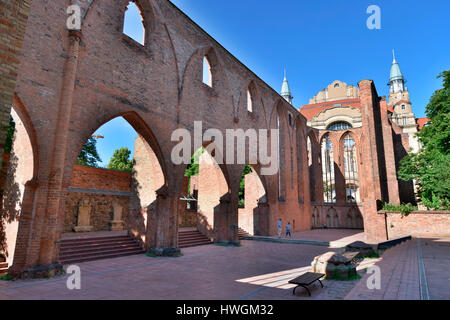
{"x":207,"y":73}
{"x":134,"y":23}
{"x":329,"y":191}
{"x":249,"y":101}
{"x":351,"y":170}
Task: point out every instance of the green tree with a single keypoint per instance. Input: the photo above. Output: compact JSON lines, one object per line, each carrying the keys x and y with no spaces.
{"x":430,"y":166}
{"x":247,"y":170}
{"x":89,"y":155}
{"x":120,"y":161}
{"x":10,"y":135}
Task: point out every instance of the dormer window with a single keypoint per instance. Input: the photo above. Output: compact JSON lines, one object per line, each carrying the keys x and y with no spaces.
{"x":403,"y":107}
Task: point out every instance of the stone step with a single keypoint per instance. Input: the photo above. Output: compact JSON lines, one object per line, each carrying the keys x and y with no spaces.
{"x":3,"y":268}
{"x":90,"y":240}
{"x":98,"y":254}
{"x":96,"y":248}
{"x":192,"y":238}
{"x":91,"y":249}
{"x":96,"y":244}
{"x":102,"y":256}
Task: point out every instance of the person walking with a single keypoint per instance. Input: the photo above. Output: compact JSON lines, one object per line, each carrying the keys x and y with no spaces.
{"x":288,"y":230}
{"x":279,"y":228}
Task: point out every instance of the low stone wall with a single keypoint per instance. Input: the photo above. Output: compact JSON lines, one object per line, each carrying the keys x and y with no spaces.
{"x":101,"y":209}
{"x":417,"y":224}
{"x":348,"y":216}
{"x":187,"y":219}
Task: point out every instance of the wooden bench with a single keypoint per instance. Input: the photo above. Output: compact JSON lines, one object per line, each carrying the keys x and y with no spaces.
{"x":307,"y":279}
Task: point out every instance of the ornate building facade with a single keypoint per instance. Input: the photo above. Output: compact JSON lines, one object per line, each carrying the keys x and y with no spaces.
{"x":351,"y":137}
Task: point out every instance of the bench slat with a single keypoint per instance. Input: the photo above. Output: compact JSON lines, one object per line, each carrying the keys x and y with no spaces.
{"x":307,"y":278}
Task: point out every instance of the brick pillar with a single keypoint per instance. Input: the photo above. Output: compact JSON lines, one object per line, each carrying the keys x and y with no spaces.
{"x":370,"y":175}
{"x":13,"y":21}
{"x":261,"y":219}
{"x":21,"y":253}
{"x":317,"y":171}
{"x":54,"y":215}
{"x":389,"y":155}
{"x":225,"y":221}
{"x":338,"y":170}
{"x":162,"y":235}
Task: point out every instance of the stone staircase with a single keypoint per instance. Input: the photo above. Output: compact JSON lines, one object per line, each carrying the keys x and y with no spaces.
{"x":243,"y":234}
{"x":191,"y":238}
{"x":77,"y":250}
{"x":3,"y":268}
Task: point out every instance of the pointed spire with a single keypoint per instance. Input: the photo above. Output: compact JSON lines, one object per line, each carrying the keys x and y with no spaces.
{"x":396,"y":73}
{"x":285,"y":90}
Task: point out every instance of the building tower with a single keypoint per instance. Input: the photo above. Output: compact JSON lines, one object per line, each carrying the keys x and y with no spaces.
{"x":285,"y":90}
{"x":400,"y":104}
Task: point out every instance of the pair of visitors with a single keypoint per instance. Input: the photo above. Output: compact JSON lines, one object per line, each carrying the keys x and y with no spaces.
{"x":288,"y":229}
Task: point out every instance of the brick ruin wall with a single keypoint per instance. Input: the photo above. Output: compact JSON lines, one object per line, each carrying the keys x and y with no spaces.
{"x":102,"y":188}
{"x":427,"y":224}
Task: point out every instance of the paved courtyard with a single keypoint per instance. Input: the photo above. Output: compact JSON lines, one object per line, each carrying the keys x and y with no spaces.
{"x":254,"y":271}
{"x":336,"y":238}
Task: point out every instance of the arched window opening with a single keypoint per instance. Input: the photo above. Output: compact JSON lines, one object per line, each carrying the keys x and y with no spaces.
{"x":207,"y":73}
{"x":249,"y":101}
{"x":351,"y":170}
{"x":309,"y":149}
{"x":329,"y":191}
{"x":134,"y":23}
{"x":337,"y":126}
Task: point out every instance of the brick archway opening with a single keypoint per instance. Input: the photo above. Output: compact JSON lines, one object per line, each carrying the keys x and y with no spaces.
{"x":18,"y":169}
{"x":201,"y":219}
{"x":252,"y":194}
{"x":108,"y":205}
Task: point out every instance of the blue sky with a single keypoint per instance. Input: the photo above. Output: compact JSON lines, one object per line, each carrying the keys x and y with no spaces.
{"x":318,"y":42}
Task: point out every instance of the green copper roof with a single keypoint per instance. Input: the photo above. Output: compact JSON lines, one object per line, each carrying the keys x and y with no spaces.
{"x":285,"y":90}
{"x":396,"y":73}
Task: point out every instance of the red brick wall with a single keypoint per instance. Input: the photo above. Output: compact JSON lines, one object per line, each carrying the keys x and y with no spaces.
{"x":13,"y":21}
{"x":102,"y":179}
{"x":427,"y":224}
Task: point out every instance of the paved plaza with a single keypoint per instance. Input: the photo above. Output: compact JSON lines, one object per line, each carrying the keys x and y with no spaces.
{"x":254,"y":271}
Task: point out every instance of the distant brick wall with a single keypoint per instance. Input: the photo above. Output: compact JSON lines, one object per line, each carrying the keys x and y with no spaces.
{"x":102,"y":179}
{"x":418,"y":224}
{"x":13,"y":21}
{"x":102,"y":188}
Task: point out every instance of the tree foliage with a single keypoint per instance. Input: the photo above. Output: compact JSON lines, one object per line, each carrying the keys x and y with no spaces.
{"x":430,"y":166}
{"x":89,"y":155}
{"x":247,"y":170}
{"x":10,"y":135}
{"x":120,"y":161}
